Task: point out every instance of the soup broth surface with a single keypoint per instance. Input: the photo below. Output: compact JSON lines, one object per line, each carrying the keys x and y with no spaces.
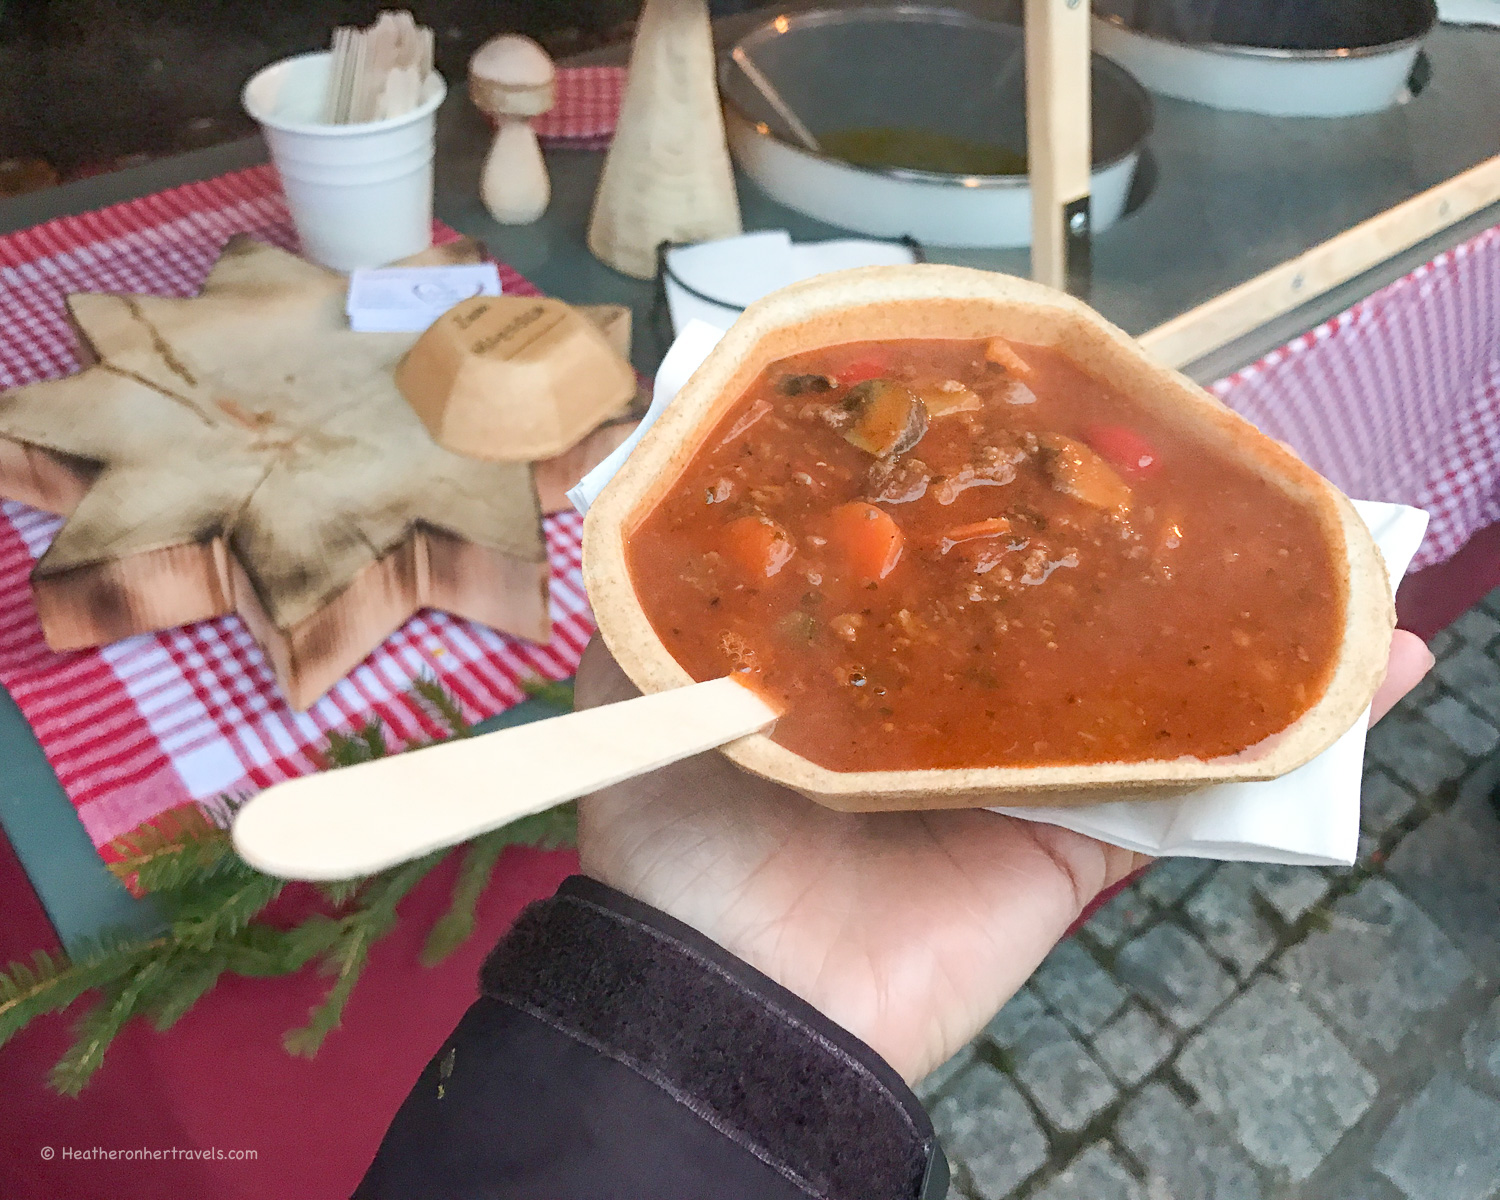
{"x":937,"y":553}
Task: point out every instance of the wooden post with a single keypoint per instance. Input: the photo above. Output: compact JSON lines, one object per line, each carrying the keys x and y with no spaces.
{"x":1059,"y":141}
{"x":667,"y":176}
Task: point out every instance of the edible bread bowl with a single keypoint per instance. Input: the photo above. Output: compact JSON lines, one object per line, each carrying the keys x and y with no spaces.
{"x":954,"y":302}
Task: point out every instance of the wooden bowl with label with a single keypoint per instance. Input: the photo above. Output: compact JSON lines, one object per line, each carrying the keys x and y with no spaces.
{"x":516,"y":378}
{"x":978,"y":548}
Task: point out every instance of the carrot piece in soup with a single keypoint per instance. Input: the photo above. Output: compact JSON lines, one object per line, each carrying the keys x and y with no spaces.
{"x":1002,"y":354}
{"x":758,"y":545}
{"x":1123,"y":447}
{"x":866,"y":537}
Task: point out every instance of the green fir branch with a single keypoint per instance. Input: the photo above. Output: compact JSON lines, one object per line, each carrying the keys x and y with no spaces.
{"x":456,"y":925}
{"x":347,"y":958}
{"x":195,"y":975}
{"x":51,"y":982}
{"x":373,"y":736}
{"x":549,"y":830}
{"x":559,"y":693}
{"x":543,"y":831}
{"x":97,"y":1028}
{"x":345,"y":962}
{"x":441,"y":704}
{"x":339,"y":892}
{"x":215,"y":904}
{"x":168,"y":872}
{"x":171,"y":851}
{"x":263,"y":952}
{"x":222,"y":907}
{"x":365,"y":743}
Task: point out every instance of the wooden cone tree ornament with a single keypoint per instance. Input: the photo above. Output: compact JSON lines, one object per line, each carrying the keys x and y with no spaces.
{"x":667,"y":177}
{"x":244,"y":451}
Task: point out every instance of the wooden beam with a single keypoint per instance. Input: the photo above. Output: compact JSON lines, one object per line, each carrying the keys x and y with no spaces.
{"x":1058,"y":137}
{"x":1273,"y":293}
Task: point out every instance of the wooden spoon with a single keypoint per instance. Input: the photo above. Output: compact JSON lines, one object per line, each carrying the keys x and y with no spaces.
{"x":361,"y":819}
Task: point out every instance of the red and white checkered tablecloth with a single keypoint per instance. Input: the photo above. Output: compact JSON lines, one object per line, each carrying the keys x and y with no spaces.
{"x":144,"y":725}
{"x":1398,"y":398}
{"x":588,"y":103}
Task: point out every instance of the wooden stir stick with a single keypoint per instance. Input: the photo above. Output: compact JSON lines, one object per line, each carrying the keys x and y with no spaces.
{"x":362,"y":819}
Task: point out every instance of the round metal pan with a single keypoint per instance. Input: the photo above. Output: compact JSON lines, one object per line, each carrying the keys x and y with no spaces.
{"x":1295,"y":58}
{"x":931,"y":69}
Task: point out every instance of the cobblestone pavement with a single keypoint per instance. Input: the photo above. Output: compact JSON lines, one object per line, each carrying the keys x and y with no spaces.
{"x":1247,"y":1032}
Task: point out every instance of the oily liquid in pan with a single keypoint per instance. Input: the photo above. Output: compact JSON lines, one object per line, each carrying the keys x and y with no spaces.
{"x":1048,"y":574}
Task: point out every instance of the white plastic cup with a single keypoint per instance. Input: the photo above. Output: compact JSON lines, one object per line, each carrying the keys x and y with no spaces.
{"x":360,"y":195}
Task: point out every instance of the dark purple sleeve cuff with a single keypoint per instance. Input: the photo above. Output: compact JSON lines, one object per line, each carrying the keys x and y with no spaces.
{"x":616,"y":1051}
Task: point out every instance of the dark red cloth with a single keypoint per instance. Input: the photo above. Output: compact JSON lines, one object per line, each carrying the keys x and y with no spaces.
{"x":1431,"y":600}
{"x":220,"y":1079}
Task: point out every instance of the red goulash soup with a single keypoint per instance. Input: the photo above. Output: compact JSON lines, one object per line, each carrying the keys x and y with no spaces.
{"x":971,"y":554}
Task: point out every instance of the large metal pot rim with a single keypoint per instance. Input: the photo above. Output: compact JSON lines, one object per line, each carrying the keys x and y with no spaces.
{"x":1234,"y":50}
{"x":1129,"y":86}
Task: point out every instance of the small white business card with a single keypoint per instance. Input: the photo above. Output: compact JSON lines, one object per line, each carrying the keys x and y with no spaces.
{"x":409,"y":299}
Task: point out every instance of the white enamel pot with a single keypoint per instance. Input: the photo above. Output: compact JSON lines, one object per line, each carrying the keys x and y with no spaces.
{"x":1308,"y":61}
{"x":922,"y":68}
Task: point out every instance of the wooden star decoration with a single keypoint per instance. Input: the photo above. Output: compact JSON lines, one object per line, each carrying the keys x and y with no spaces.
{"x":244,"y":451}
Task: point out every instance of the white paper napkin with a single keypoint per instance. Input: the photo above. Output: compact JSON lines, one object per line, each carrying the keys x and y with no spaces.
{"x":1308,"y":818}
{"x":740,"y":270}
{"x":409,"y":299}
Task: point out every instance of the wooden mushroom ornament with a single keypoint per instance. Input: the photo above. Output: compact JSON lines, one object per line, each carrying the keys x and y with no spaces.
{"x":511,"y":79}
{"x":667,"y":177}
